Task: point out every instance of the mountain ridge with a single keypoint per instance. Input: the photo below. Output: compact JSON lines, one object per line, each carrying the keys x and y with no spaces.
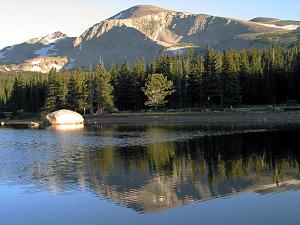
{"x":145,"y":31}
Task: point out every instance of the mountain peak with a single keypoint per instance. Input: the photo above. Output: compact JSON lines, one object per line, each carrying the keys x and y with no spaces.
{"x":48,"y":39}
{"x":140,"y":11}
{"x":51,"y":38}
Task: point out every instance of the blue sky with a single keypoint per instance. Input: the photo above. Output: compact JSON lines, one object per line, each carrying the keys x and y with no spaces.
{"x":24,"y":19}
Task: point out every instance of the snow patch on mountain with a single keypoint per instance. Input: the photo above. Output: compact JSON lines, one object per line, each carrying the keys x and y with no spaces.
{"x":177,"y":50}
{"x":55,"y":66}
{"x":53,"y":38}
{"x":118,"y":16}
{"x":36,"y":69}
{"x":35,"y":62}
{"x":287,"y":27}
{"x":49,"y":39}
{"x":228,"y":22}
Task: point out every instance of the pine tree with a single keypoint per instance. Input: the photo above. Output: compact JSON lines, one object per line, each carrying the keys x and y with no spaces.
{"x":230,"y":80}
{"x":124,"y":96}
{"x":157,"y":88}
{"x":176,"y":100}
{"x":104,"y":89}
{"x":137,"y":82}
{"x":77,"y":98}
{"x":256,"y":95}
{"x":195,"y":80}
{"x":244,"y":75}
{"x":57,"y":92}
{"x":18,"y":96}
{"x":212,"y":68}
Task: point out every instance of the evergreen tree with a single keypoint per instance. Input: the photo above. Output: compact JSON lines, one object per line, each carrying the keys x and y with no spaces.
{"x":230,"y":82}
{"x":122,"y":90}
{"x":244,"y":74}
{"x":57,"y":92}
{"x":195,"y":88}
{"x":255,"y":81}
{"x":104,"y":89}
{"x":18,"y":96}
{"x":137,"y":82}
{"x":77,"y":98}
{"x":212,"y":68}
{"x":157,"y":88}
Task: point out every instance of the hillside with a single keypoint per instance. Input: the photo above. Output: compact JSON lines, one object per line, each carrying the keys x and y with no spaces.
{"x":147,"y":31}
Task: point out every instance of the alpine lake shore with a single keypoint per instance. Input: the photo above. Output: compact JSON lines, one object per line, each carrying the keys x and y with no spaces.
{"x":250,"y":116}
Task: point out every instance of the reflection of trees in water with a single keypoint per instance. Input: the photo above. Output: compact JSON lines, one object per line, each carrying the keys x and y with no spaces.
{"x":166,"y":174}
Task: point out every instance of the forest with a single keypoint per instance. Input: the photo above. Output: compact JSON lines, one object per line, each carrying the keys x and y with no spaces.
{"x":212,"y":79}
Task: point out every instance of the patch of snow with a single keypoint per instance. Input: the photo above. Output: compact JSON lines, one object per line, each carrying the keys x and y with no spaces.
{"x":118,"y":16}
{"x":55,"y":66}
{"x":291,"y":27}
{"x":36,"y":69}
{"x":45,"y":51}
{"x":52,"y":38}
{"x":49,"y":39}
{"x":36,"y":62}
{"x":287,"y":27}
{"x":177,"y":50}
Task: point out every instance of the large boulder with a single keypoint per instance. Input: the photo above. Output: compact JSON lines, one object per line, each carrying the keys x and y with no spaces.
{"x":64,"y":116}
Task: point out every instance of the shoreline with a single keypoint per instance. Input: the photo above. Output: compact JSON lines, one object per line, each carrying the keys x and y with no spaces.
{"x":255,"y":118}
{"x":260,"y":118}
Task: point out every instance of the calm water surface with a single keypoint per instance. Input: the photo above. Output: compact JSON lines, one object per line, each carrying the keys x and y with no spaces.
{"x":155,"y":174}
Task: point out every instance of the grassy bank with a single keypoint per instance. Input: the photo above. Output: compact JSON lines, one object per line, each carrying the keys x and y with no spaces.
{"x":233,"y":117}
{"x":248,"y":116}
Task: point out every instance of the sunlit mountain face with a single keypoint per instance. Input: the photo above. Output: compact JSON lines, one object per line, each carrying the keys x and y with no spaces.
{"x":152,"y":168}
{"x":146,"y":32}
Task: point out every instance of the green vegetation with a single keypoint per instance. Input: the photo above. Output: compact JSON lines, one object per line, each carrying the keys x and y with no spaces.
{"x":157,"y":89}
{"x":103,"y":90}
{"x":216,"y":79}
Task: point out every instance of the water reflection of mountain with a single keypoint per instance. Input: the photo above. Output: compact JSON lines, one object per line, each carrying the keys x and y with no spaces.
{"x":167,"y":174}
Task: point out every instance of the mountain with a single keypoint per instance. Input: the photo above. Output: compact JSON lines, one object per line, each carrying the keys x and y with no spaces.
{"x":37,"y":54}
{"x":146,"y":31}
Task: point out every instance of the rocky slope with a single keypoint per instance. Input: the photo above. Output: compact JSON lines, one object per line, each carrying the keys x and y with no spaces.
{"x":148,"y":31}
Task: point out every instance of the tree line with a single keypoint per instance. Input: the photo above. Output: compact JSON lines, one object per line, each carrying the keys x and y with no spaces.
{"x":211,"y":79}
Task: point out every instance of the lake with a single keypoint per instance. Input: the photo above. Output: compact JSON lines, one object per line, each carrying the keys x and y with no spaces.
{"x":151,"y":174}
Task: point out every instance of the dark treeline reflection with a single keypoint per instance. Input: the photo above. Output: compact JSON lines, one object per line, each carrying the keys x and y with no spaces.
{"x":163,"y":174}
